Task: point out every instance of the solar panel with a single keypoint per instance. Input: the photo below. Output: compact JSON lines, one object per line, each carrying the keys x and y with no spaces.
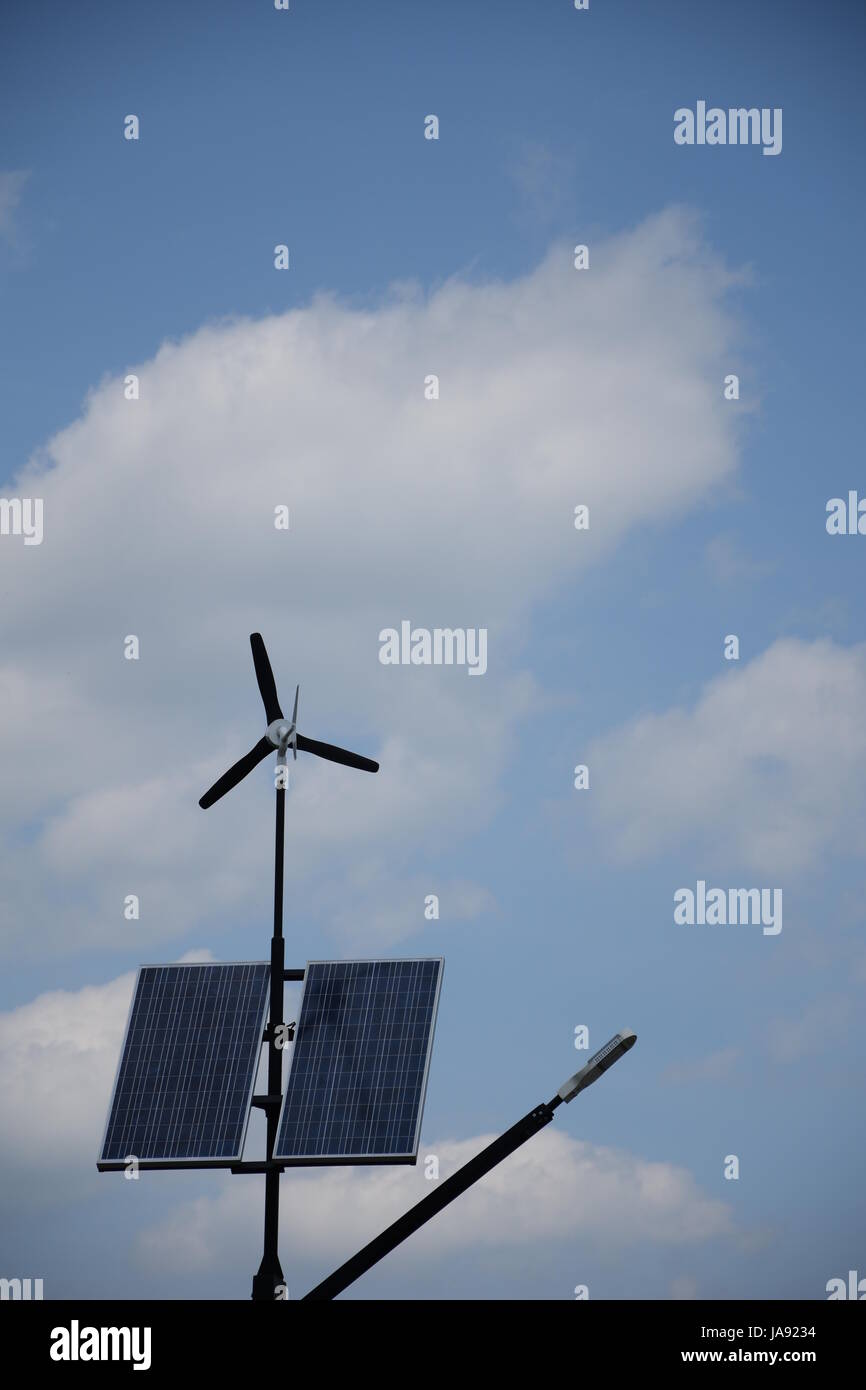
{"x":188,"y":1064}
{"x":355,"y":1092}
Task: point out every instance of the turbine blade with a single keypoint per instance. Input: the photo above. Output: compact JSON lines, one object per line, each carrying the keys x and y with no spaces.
{"x":237,"y":773}
{"x":336,"y":755}
{"x":295,"y":710}
{"x":265,"y":678}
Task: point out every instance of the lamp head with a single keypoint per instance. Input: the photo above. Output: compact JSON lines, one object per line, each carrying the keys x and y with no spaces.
{"x":604,"y":1058}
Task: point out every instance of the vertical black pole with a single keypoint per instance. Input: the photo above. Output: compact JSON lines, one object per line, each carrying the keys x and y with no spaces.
{"x":270,"y":1275}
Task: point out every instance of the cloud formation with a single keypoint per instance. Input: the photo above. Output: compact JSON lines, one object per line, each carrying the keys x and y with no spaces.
{"x":558,"y":388}
{"x":554,"y":1189}
{"x":58,"y":1057}
{"x":766,"y":771}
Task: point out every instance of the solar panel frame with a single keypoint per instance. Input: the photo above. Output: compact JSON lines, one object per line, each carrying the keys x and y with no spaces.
{"x":196,"y":1161}
{"x":345,"y":1158}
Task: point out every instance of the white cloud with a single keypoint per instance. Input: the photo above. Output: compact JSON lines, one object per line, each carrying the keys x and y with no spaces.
{"x":58,"y":1057}
{"x":555,"y":1188}
{"x":365,"y":906}
{"x":560,"y":387}
{"x":767,"y":771}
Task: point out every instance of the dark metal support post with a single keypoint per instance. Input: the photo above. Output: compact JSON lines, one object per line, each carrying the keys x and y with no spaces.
{"x":428,"y":1207}
{"x":270,"y":1274}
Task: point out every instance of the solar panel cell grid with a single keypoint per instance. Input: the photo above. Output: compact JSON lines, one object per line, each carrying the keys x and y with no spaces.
{"x":359,"y":1066}
{"x":189,"y":1062}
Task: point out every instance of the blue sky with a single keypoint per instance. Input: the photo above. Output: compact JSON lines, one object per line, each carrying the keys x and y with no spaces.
{"x":411,"y":256}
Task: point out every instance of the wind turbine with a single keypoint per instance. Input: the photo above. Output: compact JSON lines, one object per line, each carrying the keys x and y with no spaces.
{"x":280,"y":735}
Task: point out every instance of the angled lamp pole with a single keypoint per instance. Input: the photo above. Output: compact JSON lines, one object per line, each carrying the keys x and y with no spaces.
{"x":280,"y":735}
{"x":470,"y":1173}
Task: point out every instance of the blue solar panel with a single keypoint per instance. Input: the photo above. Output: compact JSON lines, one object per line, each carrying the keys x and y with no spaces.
{"x":188,"y":1064}
{"x":359,"y":1065}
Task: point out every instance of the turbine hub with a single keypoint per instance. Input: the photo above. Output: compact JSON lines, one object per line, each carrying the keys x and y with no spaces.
{"x":279,"y":732}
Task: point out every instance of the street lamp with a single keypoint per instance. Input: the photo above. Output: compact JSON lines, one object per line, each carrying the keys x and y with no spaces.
{"x":473,"y":1170}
